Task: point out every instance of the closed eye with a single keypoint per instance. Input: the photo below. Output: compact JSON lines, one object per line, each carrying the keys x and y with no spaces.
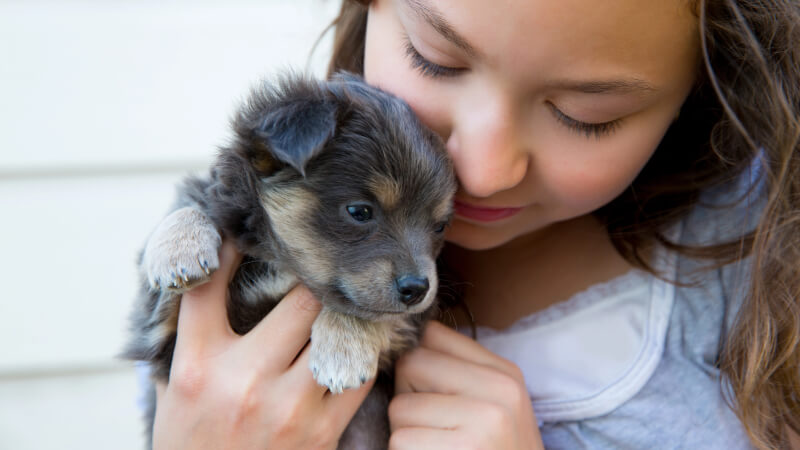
{"x":427,"y":68}
{"x":597,"y":130}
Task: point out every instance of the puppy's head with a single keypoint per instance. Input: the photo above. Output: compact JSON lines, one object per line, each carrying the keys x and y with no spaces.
{"x":356,"y":193}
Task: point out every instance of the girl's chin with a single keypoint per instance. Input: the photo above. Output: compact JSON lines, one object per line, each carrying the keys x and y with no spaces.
{"x":475,"y":237}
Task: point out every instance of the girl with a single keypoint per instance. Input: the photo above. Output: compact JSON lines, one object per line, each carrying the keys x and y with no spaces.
{"x":627,"y":227}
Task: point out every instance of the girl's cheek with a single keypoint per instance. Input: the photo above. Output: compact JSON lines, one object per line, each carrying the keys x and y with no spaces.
{"x":575,"y":191}
{"x":589,"y":173}
{"x":582,"y":181}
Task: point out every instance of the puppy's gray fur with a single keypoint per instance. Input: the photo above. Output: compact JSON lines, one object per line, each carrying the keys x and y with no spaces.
{"x":333,"y":184}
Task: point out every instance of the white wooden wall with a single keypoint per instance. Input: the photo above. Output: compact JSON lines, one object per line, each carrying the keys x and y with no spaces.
{"x":104,"y":105}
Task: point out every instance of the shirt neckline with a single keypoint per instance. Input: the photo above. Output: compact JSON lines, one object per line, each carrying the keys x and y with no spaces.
{"x":634,"y":308}
{"x":595,"y":293}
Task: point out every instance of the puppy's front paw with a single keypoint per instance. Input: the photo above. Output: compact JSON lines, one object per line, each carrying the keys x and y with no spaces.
{"x":342,"y":367}
{"x":344,"y":351}
{"x":182,"y":252}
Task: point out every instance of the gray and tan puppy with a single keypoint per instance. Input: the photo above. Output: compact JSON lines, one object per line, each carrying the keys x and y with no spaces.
{"x":333,"y":184}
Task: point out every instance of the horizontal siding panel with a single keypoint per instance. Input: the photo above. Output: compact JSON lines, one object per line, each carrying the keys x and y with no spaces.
{"x":90,"y":411}
{"x":115,"y":83}
{"x":68,"y":269}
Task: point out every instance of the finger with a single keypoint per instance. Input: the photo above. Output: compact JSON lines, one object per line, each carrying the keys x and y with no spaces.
{"x":203,"y":318}
{"x":443,"y":339}
{"x":342,"y":407}
{"x":423,"y":439}
{"x":426,"y":370}
{"x":430,"y":410}
{"x":287,"y":327}
{"x":300,"y":376}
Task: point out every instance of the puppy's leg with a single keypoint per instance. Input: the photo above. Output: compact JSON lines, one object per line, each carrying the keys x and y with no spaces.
{"x":345,"y":350}
{"x":182,"y":251}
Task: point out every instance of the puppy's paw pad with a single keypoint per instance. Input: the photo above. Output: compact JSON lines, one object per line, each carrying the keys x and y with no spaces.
{"x":182,"y":252}
{"x":339,"y":368}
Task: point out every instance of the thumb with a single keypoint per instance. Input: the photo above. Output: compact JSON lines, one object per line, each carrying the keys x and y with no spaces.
{"x":203,"y":318}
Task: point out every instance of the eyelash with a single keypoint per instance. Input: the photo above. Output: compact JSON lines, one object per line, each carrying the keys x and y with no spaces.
{"x":427,"y":68}
{"x":433,"y":70}
{"x":588,"y":129}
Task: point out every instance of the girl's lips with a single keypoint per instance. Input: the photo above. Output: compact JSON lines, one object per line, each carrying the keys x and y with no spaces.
{"x":483,"y":214}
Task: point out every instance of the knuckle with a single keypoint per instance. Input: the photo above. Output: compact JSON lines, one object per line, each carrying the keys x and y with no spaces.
{"x":401,"y":439}
{"x":397,"y":406}
{"x":510,"y":391}
{"x":287,"y":425}
{"x":187,"y":380}
{"x":403,"y":364}
{"x":416,"y":357}
{"x":496,"y":417}
{"x":284,"y":431}
{"x":247,"y":401}
{"x":292,"y":413}
{"x":393,"y":411}
{"x":515,"y":372}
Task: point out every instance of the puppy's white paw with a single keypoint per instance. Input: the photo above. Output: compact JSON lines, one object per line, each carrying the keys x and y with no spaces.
{"x":182,"y":251}
{"x":340,"y":364}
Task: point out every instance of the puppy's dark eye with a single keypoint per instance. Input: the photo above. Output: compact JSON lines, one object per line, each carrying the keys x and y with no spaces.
{"x":440,"y":227}
{"x":361,"y":213}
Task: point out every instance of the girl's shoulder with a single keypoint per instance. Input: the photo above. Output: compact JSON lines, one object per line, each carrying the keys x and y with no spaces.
{"x":709,"y":294}
{"x":727,"y":211}
{"x":682,"y":403}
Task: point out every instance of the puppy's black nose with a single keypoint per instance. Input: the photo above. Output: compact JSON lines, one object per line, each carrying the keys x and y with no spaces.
{"x":412,"y":289}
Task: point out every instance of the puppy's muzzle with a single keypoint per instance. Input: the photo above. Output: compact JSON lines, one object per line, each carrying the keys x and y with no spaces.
{"x":411,"y":289}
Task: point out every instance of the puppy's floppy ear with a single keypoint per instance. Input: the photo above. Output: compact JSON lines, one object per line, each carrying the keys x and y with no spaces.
{"x":297,"y":131}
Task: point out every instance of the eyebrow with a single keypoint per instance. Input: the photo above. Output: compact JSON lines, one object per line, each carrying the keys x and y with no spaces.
{"x":621,"y":86}
{"x":436,"y":20}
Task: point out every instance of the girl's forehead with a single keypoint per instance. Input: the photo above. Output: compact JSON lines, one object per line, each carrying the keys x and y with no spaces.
{"x":654,"y":39}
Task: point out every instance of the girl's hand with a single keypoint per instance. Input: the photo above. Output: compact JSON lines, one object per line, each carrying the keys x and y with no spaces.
{"x":452,"y":393}
{"x":254,"y":391}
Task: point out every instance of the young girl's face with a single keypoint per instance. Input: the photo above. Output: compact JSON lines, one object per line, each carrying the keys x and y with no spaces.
{"x":549,"y":108}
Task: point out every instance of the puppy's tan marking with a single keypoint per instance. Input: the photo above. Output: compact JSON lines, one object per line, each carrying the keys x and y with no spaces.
{"x":386,"y":190}
{"x":375,"y":283}
{"x":263,"y":163}
{"x":290,"y":210}
{"x":443,"y":209}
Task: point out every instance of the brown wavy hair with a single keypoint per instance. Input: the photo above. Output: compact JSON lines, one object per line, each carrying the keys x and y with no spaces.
{"x":745,"y":105}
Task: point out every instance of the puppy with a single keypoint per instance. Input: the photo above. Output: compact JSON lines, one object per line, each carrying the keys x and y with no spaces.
{"x":333,"y":184}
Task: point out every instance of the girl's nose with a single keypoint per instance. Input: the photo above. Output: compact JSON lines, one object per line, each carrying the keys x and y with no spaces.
{"x":488,"y":148}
